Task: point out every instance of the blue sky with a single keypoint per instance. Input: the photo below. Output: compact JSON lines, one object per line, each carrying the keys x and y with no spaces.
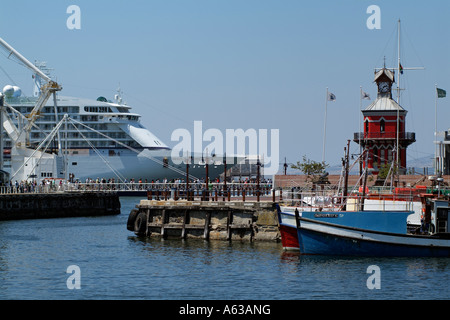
{"x":259,"y":64}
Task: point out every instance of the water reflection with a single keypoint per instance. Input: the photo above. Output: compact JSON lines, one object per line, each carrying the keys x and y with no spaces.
{"x":290,"y":256}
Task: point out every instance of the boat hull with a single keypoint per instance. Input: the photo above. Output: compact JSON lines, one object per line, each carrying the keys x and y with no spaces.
{"x":288,"y":228}
{"x":387,"y":221}
{"x":289,"y":238}
{"x":321,"y":238}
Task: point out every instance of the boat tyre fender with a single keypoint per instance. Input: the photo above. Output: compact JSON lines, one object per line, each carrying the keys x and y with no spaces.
{"x":140,"y":224}
{"x":132,"y":219}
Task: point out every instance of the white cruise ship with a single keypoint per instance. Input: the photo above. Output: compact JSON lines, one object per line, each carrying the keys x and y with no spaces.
{"x":113,"y":144}
{"x":100,"y":139}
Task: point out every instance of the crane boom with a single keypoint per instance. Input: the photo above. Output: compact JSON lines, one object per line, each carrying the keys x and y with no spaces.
{"x":24,"y":60}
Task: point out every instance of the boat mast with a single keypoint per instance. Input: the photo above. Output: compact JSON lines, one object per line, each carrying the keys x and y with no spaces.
{"x":399,"y":89}
{"x":1,"y":133}
{"x":398,"y":101}
{"x":346,"y":168}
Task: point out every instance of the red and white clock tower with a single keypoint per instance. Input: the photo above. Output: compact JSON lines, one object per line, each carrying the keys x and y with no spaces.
{"x":384,"y":127}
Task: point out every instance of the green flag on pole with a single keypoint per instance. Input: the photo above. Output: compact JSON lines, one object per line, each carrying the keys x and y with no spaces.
{"x":441,"y":93}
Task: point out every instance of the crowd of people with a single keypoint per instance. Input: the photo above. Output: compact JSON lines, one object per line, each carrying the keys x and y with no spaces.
{"x":157,"y":184}
{"x":54,"y":185}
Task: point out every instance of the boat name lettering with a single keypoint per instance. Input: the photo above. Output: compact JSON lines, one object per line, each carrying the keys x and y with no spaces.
{"x":326,"y":215}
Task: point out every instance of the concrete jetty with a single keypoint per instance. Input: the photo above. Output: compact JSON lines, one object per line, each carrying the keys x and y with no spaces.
{"x":19,"y":206}
{"x":209,"y":220}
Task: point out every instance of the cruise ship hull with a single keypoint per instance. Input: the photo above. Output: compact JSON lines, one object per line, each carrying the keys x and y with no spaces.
{"x":125,"y":164}
{"x":107,"y":143}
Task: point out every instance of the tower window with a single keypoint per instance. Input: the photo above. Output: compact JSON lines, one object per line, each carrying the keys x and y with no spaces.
{"x":390,"y":155}
{"x":382,"y":125}
{"x":375,"y":155}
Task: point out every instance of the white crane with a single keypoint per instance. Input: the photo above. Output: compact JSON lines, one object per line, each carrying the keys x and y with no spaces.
{"x":21,"y":151}
{"x":47,"y":89}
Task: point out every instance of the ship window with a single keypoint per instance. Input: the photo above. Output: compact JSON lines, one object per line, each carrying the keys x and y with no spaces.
{"x":74,"y":163}
{"x":121,"y":109}
{"x":97,"y":109}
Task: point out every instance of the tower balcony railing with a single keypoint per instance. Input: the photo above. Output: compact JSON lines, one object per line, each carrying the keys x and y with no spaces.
{"x":409,"y":136}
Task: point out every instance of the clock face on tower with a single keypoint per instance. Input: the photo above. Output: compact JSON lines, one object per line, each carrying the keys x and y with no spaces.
{"x":384,"y":87}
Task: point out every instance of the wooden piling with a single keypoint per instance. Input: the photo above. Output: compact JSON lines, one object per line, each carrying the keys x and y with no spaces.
{"x":163,"y":222}
{"x":207,"y":225}
{"x":185,"y":221}
{"x":229,"y":222}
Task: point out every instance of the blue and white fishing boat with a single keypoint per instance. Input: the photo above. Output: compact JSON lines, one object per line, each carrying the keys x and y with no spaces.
{"x":375,"y":233}
{"x":383,"y":217}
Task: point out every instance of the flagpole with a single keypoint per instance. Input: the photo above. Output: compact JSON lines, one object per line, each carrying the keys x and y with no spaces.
{"x":435,"y":132}
{"x":398,"y":101}
{"x":325,"y":127}
{"x":360,"y":146}
{"x":360,"y":108}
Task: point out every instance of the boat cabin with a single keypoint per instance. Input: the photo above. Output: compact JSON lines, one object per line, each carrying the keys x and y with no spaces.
{"x":436,"y":215}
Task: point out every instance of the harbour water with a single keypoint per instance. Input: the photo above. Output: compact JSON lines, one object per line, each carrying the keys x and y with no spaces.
{"x":115,"y":264}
